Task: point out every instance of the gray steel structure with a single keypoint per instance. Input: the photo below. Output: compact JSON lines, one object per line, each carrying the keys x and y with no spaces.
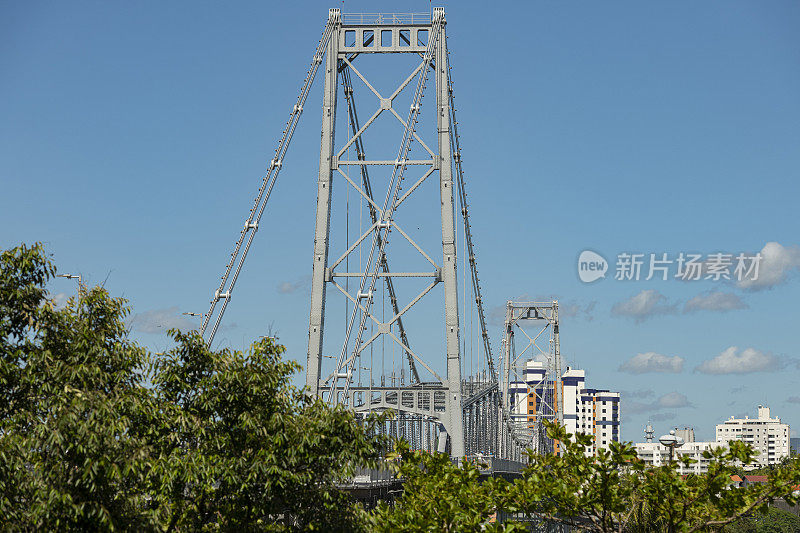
{"x":465,"y":416}
{"x":547,"y":391}
{"x":420,"y":403}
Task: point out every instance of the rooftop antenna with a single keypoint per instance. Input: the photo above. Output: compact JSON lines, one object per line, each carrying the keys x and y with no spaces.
{"x":648,"y":432}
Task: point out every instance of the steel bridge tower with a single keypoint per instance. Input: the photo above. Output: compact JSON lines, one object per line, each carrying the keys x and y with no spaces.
{"x":440,"y":400}
{"x":532,"y":394}
{"x":446,"y":400}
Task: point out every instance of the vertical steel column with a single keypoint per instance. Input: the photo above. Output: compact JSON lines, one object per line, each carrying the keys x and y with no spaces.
{"x":505,"y":403}
{"x":322,"y":229}
{"x":455,"y":426}
{"x":559,"y":399}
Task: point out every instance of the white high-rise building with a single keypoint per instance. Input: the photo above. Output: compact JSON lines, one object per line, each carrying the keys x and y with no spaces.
{"x":768,"y":436}
{"x":594,"y":412}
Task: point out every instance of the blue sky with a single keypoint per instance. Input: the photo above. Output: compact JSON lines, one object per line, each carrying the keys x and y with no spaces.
{"x":134,"y":136}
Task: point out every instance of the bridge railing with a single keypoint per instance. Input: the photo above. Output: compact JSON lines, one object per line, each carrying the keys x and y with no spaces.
{"x":372,"y":476}
{"x":386,"y":18}
{"x":489,"y":464}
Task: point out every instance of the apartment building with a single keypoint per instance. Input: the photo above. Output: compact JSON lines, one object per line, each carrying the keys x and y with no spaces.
{"x":594,"y":412}
{"x":656,"y":454}
{"x":767,"y":435}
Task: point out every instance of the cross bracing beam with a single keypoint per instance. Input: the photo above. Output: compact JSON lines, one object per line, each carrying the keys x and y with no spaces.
{"x":373,"y":210}
{"x":377,"y":250}
{"x":374,"y":239}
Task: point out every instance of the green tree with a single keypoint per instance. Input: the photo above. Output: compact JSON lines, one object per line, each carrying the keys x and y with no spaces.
{"x":773,"y":520}
{"x":591,"y":493}
{"x":614,"y":491}
{"x":439,"y":495}
{"x":247,"y":451}
{"x":72,"y":451}
{"x":95,"y":433}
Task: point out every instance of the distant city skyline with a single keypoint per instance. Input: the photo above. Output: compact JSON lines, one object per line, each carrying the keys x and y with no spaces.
{"x":767,"y":434}
{"x":135,"y":136}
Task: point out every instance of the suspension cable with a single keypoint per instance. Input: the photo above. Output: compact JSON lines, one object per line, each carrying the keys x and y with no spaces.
{"x":251,"y":224}
{"x":507,"y":422}
{"x":476,"y":287}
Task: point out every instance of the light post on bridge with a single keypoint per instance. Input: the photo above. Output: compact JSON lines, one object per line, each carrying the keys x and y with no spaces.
{"x":201,"y":315}
{"x":80,"y":283}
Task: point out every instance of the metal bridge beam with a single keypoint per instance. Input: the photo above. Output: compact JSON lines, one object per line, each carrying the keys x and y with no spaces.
{"x":322,"y":233}
{"x":455,"y":424}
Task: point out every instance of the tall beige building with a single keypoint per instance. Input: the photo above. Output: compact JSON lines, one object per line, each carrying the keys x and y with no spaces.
{"x":768,"y":436}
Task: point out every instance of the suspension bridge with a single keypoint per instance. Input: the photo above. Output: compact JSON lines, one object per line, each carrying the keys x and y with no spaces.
{"x":395,"y":323}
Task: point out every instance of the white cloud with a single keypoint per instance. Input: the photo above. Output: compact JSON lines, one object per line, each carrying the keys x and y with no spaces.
{"x":644,"y":305}
{"x":661,"y":417}
{"x":633,"y":408}
{"x":496,"y":315}
{"x":733,"y":361}
{"x":575,"y":309}
{"x":777,"y":264}
{"x":60,"y":300}
{"x":642,"y":363}
{"x":161,"y":320}
{"x":673,"y":400}
{"x":640,"y":393}
{"x":714,"y":301}
{"x":289,"y":287}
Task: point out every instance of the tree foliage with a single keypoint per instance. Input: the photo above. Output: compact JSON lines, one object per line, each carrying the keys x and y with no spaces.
{"x":245,"y":449}
{"x":611,"y":491}
{"x":72,"y":455}
{"x":615,"y":491}
{"x":773,"y":520}
{"x":96,"y":433}
{"x":439,"y":495}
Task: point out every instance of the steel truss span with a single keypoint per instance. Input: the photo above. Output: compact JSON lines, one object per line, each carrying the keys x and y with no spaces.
{"x":369,"y":335}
